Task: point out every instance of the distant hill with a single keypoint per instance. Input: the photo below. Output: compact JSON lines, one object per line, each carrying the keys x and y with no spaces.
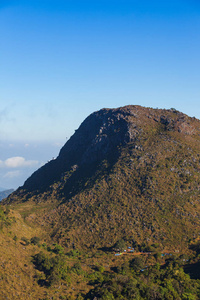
{"x":130,"y":173}
{"x":5,"y":193}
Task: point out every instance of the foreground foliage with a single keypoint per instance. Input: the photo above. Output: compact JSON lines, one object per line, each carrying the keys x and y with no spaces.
{"x":155,"y":282}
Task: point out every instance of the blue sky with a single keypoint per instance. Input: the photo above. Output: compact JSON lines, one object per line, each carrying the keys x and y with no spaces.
{"x":62,"y":60}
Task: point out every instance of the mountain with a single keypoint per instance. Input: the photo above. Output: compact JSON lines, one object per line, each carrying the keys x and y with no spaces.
{"x":128,"y":178}
{"x":130,"y":172}
{"x":5,"y":193}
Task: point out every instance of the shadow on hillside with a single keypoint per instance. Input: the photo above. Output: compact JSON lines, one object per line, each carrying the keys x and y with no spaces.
{"x":85,"y":177}
{"x":41,"y":282}
{"x":82,"y":178}
{"x":106,"y":249}
{"x":193,"y":270}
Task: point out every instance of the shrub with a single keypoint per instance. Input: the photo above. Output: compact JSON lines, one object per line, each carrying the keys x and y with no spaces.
{"x":58,"y":249}
{"x":44,"y":245}
{"x":108,"y":296}
{"x":101,"y":269}
{"x":54,"y":277}
{"x":43,"y":262}
{"x":73,"y":253}
{"x":15,"y":238}
{"x":137,"y":263}
{"x":54,"y":268}
{"x":35,"y":240}
{"x":120,"y":245}
{"x":25,"y":240}
{"x":77,"y":268}
{"x":157,"y":255}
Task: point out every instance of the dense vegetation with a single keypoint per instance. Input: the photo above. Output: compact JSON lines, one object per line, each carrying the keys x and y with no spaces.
{"x":39,"y":270}
{"x":136,"y":281}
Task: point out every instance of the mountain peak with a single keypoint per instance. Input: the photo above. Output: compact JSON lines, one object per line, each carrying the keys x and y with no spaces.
{"x":103,"y":134}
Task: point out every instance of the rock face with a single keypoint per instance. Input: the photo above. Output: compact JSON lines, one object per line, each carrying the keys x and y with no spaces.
{"x":102,"y":134}
{"x":98,"y":138}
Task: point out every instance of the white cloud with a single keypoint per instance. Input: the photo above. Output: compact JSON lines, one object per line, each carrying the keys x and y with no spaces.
{"x":12,"y":174}
{"x":18,"y":162}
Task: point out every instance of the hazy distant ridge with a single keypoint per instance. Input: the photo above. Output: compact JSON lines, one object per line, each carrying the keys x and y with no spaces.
{"x":6,"y":193}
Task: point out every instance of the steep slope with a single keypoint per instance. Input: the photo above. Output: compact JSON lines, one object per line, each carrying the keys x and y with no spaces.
{"x":131,"y":173}
{"x":98,"y":138}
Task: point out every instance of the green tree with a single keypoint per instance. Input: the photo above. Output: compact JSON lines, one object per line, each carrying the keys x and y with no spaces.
{"x":107,"y":296}
{"x":137,"y":263}
{"x":120,"y":245}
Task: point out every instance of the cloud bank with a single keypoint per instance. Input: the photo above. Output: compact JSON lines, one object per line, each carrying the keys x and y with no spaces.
{"x":12,"y":174}
{"x":17,"y":162}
